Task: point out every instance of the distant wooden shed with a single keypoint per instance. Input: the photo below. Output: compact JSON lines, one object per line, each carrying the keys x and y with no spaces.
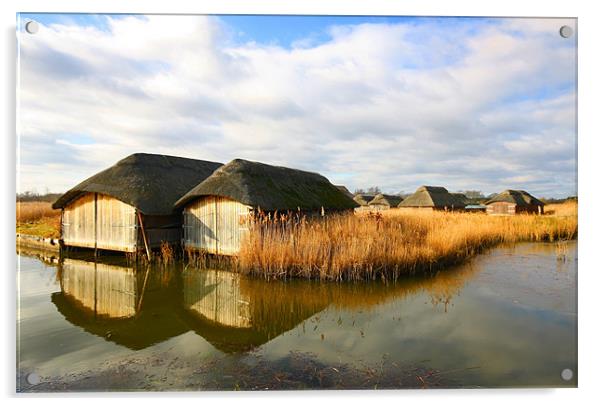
{"x":432,"y":198}
{"x":510,"y":202}
{"x":216,"y":212}
{"x":384,"y":202}
{"x":111,"y":209}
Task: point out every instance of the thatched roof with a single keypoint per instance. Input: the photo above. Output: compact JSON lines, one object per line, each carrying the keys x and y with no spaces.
{"x":462,"y":197}
{"x":386,"y":200}
{"x":520,"y":197}
{"x":363,"y":198}
{"x":151,"y":183}
{"x":270,"y":188}
{"x":345,"y":190}
{"x":432,"y":196}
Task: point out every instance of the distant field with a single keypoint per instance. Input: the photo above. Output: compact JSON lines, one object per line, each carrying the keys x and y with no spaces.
{"x":392,"y":243}
{"x":38,"y":218}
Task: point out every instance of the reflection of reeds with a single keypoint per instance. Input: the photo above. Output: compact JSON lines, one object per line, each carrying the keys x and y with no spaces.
{"x":386,"y":245}
{"x":236,"y":301}
{"x":562,"y":250}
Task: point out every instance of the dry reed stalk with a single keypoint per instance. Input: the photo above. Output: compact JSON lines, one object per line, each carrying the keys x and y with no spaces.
{"x":28,"y":212}
{"x":386,"y":245}
{"x":166,"y":253}
{"x":38,"y":218}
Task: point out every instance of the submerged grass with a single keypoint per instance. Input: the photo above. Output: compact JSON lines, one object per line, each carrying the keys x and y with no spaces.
{"x":389,"y":244}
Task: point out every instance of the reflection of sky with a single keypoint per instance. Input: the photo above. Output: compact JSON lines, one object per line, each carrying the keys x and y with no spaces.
{"x":515,"y":319}
{"x":517,"y":334}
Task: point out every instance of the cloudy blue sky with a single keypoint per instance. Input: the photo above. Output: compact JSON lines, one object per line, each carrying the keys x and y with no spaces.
{"x":466,"y":103}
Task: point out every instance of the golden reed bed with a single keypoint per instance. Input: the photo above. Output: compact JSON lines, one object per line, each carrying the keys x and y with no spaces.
{"x":38,"y":218}
{"x":363,"y":246}
{"x":390,"y":244}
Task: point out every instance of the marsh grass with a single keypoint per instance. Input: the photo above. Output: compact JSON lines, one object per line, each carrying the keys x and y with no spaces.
{"x":166,"y":253}
{"x":388,"y":244}
{"x":38,"y":218}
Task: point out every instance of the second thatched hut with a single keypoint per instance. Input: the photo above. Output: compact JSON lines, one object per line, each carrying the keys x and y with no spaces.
{"x":432,"y":198}
{"x":384,"y":202}
{"x":217,"y":211}
{"x":511,"y":202}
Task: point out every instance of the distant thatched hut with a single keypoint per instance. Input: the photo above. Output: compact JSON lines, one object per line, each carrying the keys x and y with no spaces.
{"x":216,"y":212}
{"x":432,"y":198}
{"x":111,"y":209}
{"x":363,"y":198}
{"x":384,"y":202}
{"x":514,"y":202}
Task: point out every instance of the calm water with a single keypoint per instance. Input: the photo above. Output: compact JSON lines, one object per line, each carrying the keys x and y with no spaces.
{"x":506,"y":318}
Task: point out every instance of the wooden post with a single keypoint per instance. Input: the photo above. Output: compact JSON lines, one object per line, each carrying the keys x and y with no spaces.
{"x":143,"y":235}
{"x":95,"y":225}
{"x":61,"y":244}
{"x":217,"y":233}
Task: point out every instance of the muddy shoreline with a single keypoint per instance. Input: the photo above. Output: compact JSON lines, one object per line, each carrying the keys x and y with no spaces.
{"x":296,"y":371}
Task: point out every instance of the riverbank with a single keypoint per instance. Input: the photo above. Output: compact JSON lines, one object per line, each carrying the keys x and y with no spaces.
{"x":366,"y":246}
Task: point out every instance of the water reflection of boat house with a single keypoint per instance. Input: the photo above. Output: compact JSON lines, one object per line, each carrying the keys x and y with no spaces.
{"x":236,"y":314}
{"x":125,"y":306}
{"x":139,"y":308}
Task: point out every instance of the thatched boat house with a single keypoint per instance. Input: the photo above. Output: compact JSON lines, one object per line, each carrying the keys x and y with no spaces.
{"x":217,"y":211}
{"x":130,"y":206}
{"x":511,"y":202}
{"x":432,"y":198}
{"x":384,"y":202}
{"x":344,"y":189}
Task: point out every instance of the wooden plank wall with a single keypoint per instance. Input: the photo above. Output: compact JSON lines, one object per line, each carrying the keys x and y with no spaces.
{"x":216,"y":225}
{"x":216,"y":296}
{"x":106,"y":290}
{"x":501,"y":208}
{"x":78,"y":227}
{"x":116,"y":222}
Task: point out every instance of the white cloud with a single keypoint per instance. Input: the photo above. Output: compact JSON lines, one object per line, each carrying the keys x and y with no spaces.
{"x":485,"y":105}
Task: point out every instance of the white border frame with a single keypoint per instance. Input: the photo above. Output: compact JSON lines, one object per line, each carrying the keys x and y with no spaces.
{"x":588,"y":164}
